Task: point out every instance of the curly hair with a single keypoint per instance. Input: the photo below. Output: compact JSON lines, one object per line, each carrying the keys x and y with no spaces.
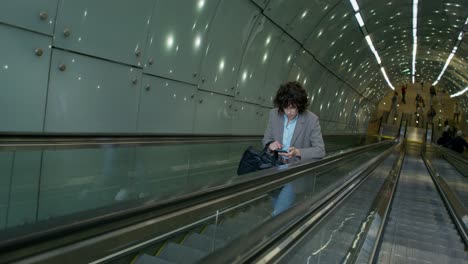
{"x":291,"y":94}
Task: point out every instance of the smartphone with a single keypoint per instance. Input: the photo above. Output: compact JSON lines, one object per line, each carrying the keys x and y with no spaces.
{"x":281,"y":151}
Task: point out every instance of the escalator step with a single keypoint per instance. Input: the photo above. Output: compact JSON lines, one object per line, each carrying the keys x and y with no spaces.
{"x":181,"y":254}
{"x":202,"y":242}
{"x":220,"y":232}
{"x":147,"y":259}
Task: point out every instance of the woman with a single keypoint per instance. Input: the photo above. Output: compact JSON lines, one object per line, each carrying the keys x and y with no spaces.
{"x":293,"y":129}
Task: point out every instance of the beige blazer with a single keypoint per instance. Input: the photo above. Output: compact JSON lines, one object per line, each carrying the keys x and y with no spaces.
{"x":307,"y":135}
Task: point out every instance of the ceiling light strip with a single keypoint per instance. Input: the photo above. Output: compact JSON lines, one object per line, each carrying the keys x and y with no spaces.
{"x":459,"y":93}
{"x":360,"y":21}
{"x":450,"y":57}
{"x":415,"y":38}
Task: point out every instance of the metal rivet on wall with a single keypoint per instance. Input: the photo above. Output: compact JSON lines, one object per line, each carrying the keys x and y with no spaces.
{"x":62,"y":67}
{"x":195,"y":74}
{"x":66,"y":32}
{"x":148,"y":87}
{"x":38,"y":52}
{"x":134,"y":80}
{"x":150,"y":61}
{"x":43,"y":15}
{"x":137,"y":53}
{"x":201,"y":101}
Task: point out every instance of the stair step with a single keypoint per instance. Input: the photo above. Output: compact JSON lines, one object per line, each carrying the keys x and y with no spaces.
{"x":203,"y":242}
{"x":219,"y":232}
{"x":181,"y":254}
{"x":147,"y":259}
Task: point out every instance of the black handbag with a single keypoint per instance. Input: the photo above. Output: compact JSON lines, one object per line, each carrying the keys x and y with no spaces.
{"x":254,"y":160}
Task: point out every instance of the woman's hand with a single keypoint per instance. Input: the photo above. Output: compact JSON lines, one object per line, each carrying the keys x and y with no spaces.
{"x":275,"y":146}
{"x":292,"y":152}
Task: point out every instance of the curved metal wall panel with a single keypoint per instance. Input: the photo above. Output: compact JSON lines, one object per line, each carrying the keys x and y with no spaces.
{"x":261,"y":3}
{"x":176,"y":43}
{"x":24,"y":66}
{"x":89,"y":95}
{"x":214,"y":113}
{"x":281,"y":62}
{"x":232,"y":25}
{"x":299,"y":17}
{"x":257,"y":57}
{"x":91,"y":27}
{"x":244,"y":118}
{"x":38,"y":15}
{"x":166,"y":106}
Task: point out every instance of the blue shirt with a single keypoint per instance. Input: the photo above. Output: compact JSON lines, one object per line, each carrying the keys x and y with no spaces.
{"x":288,"y":131}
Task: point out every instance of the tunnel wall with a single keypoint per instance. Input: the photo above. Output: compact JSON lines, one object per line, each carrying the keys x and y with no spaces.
{"x":175,"y":67}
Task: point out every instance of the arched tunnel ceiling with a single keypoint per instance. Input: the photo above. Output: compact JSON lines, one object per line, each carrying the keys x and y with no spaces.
{"x":329,"y":30}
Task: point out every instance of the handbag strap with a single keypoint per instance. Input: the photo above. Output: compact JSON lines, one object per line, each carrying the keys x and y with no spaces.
{"x":266,"y":146}
{"x":275,"y":154}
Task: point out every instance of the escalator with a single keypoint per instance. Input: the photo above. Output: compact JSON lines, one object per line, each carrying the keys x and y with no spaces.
{"x":410,"y":209}
{"x":198,"y":216}
{"x":419,"y":228}
{"x":246,"y":218}
{"x":198,"y":243}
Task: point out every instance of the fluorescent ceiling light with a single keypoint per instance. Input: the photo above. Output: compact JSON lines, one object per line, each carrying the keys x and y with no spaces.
{"x":415,"y":37}
{"x":452,"y":54}
{"x":355,"y":5}
{"x":459,"y":93}
{"x":386,"y":78}
{"x":359,"y":19}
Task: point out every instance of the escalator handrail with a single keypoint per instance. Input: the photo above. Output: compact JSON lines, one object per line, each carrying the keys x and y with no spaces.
{"x":453,"y":204}
{"x":287,"y":226}
{"x":14,"y":143}
{"x":380,"y":207}
{"x":451,"y":153}
{"x":272,"y":179}
{"x":44,"y":142}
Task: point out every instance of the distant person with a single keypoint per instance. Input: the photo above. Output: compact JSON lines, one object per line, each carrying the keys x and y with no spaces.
{"x":430,"y":114}
{"x":456,"y":113}
{"x":444,"y":139}
{"x":458,"y":143}
{"x":418,"y":101}
{"x":419,"y":105}
{"x":446,"y":126}
{"x":432,"y":92}
{"x":422,"y":85}
{"x":403,"y":93}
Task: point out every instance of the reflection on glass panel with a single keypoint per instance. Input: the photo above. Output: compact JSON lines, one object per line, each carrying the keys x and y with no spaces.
{"x":330,"y":241}
{"x":81,"y":179}
{"x":44,"y":184}
{"x":6,"y":162}
{"x":53,"y":183}
{"x":24,"y":188}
